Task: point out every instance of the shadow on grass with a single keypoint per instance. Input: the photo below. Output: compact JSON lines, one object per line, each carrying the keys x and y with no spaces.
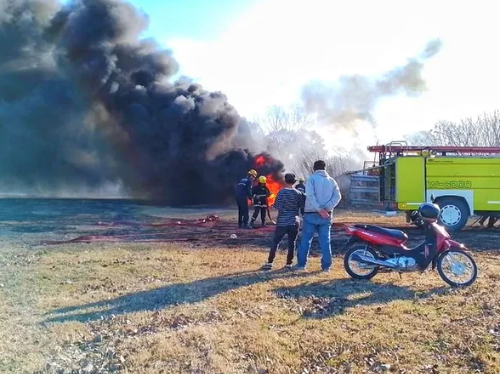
{"x":164,"y":297}
{"x":327,"y":298}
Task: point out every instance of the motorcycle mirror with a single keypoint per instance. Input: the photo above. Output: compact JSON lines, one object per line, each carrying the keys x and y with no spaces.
{"x":432,"y":198}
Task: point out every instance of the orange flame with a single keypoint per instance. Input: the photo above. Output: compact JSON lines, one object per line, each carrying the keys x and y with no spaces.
{"x":259,"y":161}
{"x":274,"y":188}
{"x":274,"y":185}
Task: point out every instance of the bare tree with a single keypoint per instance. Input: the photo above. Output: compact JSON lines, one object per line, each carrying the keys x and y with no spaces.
{"x":293,"y":118}
{"x":276,"y":119}
{"x":490,"y":126}
{"x":299,"y":118}
{"x":464,"y":133}
{"x":421,"y":138}
{"x":293,"y":141}
{"x":482,"y":131}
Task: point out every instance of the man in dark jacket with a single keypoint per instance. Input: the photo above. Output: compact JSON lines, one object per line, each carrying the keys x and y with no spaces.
{"x":242,"y":193}
{"x":260,"y":194}
{"x":302,"y":188}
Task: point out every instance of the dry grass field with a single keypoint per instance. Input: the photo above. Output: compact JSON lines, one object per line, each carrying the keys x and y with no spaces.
{"x":140,"y":307}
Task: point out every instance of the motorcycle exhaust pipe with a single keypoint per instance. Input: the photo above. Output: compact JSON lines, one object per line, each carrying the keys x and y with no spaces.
{"x":373,"y":261}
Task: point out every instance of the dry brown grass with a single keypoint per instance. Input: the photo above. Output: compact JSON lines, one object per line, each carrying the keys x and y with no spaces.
{"x":140,"y":308}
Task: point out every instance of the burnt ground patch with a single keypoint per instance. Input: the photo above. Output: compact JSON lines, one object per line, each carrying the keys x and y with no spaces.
{"x":58,"y":221}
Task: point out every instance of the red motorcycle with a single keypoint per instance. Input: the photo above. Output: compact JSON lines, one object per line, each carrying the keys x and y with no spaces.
{"x":373,"y":249}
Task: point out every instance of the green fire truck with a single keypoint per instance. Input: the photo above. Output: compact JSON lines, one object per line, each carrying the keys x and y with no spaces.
{"x":464,"y":180}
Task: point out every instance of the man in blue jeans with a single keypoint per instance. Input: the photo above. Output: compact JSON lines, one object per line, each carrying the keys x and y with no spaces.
{"x":322,"y":196}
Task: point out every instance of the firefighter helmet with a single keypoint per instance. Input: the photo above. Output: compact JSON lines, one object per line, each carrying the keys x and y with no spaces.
{"x":262,"y":180}
{"x":253,"y":173}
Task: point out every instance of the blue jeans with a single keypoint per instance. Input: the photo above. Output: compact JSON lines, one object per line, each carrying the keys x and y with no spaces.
{"x":314,"y":222}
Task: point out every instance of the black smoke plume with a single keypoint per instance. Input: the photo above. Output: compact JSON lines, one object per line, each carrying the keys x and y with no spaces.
{"x":85,"y":102}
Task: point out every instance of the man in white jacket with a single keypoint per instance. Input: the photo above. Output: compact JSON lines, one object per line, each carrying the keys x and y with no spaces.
{"x":322,"y":196}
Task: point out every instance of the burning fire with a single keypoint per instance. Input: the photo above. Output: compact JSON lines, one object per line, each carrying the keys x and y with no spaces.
{"x":267,"y":166}
{"x":274,"y":187}
{"x":260,"y":161}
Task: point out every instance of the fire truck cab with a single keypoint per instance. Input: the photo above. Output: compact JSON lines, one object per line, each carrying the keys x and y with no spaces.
{"x":464,"y":180}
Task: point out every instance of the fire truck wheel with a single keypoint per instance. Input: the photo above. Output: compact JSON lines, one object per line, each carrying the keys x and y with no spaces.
{"x":454,"y":213}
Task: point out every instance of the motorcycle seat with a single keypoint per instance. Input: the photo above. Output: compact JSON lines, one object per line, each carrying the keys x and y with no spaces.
{"x":396,"y":234}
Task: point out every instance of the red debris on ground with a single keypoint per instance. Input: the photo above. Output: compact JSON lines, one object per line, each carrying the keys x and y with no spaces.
{"x":210,"y":230}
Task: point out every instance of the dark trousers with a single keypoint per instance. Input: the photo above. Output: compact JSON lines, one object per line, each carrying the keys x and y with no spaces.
{"x":279,"y":233}
{"x":262,"y":211}
{"x":243,"y":214}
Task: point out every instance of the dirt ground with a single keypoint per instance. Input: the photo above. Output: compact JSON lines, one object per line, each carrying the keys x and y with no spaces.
{"x":35,"y":222}
{"x":120,"y":287}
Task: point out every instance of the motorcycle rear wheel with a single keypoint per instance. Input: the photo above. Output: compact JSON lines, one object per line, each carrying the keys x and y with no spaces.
{"x":457,"y":268}
{"x":351,"y":266}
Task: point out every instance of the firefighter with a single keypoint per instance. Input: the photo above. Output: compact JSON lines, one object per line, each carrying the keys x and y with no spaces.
{"x":243,"y":192}
{"x":302,"y":188}
{"x":260,"y":194}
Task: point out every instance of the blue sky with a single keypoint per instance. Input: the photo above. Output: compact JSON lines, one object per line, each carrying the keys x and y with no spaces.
{"x":262,"y":52}
{"x":197,"y":19}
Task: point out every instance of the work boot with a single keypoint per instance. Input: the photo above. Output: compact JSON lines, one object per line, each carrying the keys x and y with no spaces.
{"x":263,"y":224}
{"x":250,"y":225}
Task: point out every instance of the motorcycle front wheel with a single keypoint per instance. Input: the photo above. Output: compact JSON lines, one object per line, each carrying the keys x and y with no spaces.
{"x":457,"y":268}
{"x":359,"y":270}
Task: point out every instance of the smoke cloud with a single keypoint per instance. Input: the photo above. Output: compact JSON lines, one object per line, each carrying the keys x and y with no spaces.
{"x":84,"y":101}
{"x":355,"y":97}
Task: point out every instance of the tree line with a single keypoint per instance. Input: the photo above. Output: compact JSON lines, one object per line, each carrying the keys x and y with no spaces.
{"x":288,"y":133}
{"x":482,"y":131}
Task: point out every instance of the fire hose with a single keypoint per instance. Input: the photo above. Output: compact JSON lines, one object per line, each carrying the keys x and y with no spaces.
{"x":255,"y":197}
